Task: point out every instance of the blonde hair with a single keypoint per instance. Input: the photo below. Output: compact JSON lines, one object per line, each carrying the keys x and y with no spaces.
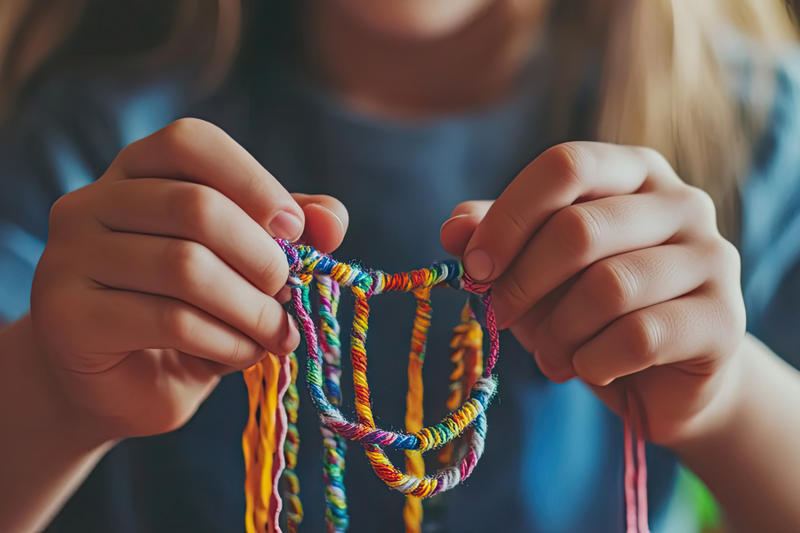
{"x":668,"y":84}
{"x":664,"y":83}
{"x":34,"y":34}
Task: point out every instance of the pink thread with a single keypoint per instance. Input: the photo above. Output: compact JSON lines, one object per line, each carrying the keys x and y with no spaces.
{"x":279,"y":460}
{"x":635,"y":470}
{"x":630,"y":472}
{"x":468,"y":464}
{"x":641,"y":466}
{"x":494,"y":336}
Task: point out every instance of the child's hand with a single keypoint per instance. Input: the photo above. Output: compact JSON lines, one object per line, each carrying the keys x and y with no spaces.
{"x":163,"y":275}
{"x":605,"y":264}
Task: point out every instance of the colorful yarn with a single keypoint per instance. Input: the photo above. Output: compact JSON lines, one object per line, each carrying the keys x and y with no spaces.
{"x":260,"y":444}
{"x":291,"y":485}
{"x":336,"y":519}
{"x":303,"y":261}
{"x":467,"y":357}
{"x":278,"y":453}
{"x":415,"y":465}
{"x":270,"y":439}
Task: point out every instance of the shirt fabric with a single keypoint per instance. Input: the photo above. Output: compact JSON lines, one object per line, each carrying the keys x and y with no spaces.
{"x":553,"y":460}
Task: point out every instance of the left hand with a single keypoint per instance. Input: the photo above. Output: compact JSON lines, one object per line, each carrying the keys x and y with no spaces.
{"x":605,"y":264}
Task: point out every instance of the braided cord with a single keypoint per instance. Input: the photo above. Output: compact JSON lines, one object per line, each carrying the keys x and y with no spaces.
{"x":336,"y":518}
{"x":467,"y":357}
{"x":415,"y":465}
{"x":304,"y":260}
{"x":262,"y":443}
{"x":291,"y":485}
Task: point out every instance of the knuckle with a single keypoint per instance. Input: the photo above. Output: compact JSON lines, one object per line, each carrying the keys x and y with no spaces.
{"x":568,"y":162}
{"x":578,"y":230}
{"x":612,"y":284}
{"x":656,"y":160}
{"x":178,"y":323}
{"x":724,"y":258}
{"x":729,"y":255}
{"x":198,"y":205}
{"x":241,"y":356}
{"x":64,"y":209}
{"x":642,"y":336}
{"x":184,"y":135}
{"x":187,"y":263}
{"x":699,"y":202}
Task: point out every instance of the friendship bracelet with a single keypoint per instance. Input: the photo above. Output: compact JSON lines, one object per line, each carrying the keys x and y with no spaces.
{"x":467,"y":419}
{"x":304,"y":261}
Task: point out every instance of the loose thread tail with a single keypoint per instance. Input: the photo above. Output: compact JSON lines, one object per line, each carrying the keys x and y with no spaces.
{"x":259,"y":443}
{"x":291,"y":485}
{"x":254,"y":379}
{"x":635,"y":468}
{"x":279,"y":452}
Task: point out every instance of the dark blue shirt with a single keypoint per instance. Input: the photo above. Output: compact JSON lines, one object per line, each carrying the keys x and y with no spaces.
{"x":553,"y":460}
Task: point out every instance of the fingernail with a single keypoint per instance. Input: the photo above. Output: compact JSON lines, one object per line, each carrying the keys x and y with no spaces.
{"x":478,"y":265}
{"x":334,"y":215}
{"x":286,"y":225}
{"x":284,"y":295}
{"x":449,"y":220}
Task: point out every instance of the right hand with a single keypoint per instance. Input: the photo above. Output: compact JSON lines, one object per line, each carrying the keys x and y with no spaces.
{"x":163,"y":275}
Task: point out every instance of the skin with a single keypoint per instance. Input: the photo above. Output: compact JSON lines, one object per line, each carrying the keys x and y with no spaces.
{"x":605,"y":266}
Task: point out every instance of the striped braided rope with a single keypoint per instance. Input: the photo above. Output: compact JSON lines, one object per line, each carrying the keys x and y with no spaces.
{"x":291,"y":485}
{"x":304,"y":261}
{"x":336,"y":519}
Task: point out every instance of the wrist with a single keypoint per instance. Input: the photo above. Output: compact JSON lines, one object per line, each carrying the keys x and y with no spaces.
{"x":46,"y":449}
{"x":35,"y":400}
{"x":723,"y":410}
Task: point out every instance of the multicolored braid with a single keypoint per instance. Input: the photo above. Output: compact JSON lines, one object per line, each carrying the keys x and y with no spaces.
{"x":415,"y":465}
{"x":336,"y":519}
{"x":467,"y":356}
{"x":270,"y":439}
{"x":303,"y":261}
{"x":291,"y":485}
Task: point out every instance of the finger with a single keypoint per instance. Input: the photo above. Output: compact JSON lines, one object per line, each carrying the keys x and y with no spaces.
{"x":579,"y":235}
{"x":190,"y":272}
{"x":194,"y":150}
{"x":125,"y":322}
{"x":458,"y":229}
{"x":326,"y":221}
{"x":528,"y":329}
{"x":695,"y":330}
{"x":619,"y":285}
{"x":611,"y":289}
{"x":557,"y":178}
{"x":197,"y":213}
